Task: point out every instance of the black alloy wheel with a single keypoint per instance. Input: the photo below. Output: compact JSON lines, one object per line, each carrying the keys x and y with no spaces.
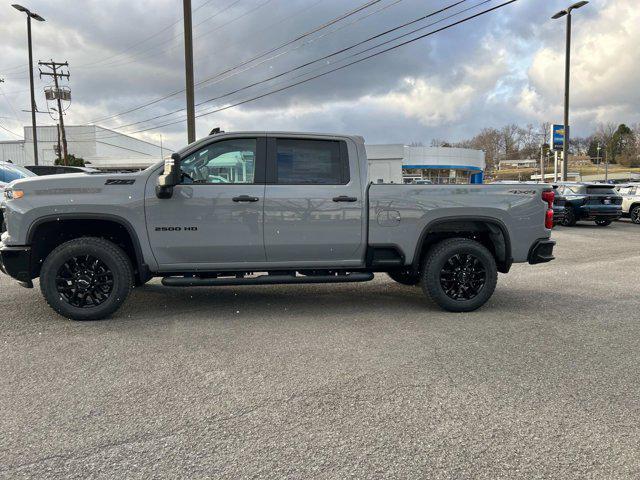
{"x":463,"y":277}
{"x":459,"y":274}
{"x":635,"y":215}
{"x":84,"y":281}
{"x":603,"y":222}
{"x":86,"y":278}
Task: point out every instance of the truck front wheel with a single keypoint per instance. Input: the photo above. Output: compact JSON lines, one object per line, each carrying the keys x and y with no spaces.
{"x":86,"y":278}
{"x":459,"y":274}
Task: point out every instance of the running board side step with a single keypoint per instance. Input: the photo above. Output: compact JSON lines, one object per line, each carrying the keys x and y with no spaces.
{"x":265,"y":280}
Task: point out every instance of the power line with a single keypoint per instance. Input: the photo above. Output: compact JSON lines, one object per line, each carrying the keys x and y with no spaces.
{"x":246,"y":62}
{"x":466,"y":19}
{"x":12,"y":133}
{"x":136,"y":44}
{"x":338,"y":52}
{"x":196,"y":37}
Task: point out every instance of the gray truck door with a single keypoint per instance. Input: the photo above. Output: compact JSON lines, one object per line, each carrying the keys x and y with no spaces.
{"x":214,"y":218}
{"x":313,"y":203}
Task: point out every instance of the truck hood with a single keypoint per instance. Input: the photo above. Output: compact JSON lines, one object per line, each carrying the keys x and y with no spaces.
{"x":75,"y":181}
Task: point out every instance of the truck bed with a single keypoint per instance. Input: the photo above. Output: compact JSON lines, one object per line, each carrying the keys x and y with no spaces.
{"x":398,"y":214}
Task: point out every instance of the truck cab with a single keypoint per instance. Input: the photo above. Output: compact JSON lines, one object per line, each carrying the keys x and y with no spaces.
{"x":271,"y":201}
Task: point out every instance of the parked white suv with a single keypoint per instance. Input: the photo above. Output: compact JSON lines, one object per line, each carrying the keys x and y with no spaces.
{"x":630,"y":194}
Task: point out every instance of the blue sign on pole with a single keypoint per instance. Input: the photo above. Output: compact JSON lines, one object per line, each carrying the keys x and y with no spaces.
{"x":557,"y":137}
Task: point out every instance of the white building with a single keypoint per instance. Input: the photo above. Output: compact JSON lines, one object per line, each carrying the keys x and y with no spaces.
{"x":399,"y":163}
{"x":518,"y":163}
{"x":98,"y":146}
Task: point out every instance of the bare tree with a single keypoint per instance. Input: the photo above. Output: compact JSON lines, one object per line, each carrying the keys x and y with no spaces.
{"x":491,"y":142}
{"x":604,"y":135}
{"x":511,"y":140}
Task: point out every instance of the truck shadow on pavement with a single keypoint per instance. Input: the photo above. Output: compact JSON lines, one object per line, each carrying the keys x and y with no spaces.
{"x":154,"y":303}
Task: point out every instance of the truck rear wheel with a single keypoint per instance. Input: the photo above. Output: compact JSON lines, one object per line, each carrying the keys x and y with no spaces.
{"x":459,"y":274}
{"x":404,"y":277}
{"x":86,"y":278}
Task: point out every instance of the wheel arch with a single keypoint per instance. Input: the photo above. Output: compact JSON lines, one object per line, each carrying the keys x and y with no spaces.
{"x":491,"y":232}
{"x":63,"y":227}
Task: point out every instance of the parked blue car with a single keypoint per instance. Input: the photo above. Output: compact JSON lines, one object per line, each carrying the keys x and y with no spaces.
{"x":8,"y":173}
{"x":595,"y":202}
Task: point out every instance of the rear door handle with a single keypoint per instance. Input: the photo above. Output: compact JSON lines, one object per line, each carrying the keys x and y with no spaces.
{"x":345,"y":198}
{"x":245,"y":198}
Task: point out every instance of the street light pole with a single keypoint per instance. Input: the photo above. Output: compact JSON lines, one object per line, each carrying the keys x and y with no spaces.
{"x":565,"y":143}
{"x":31,"y":15}
{"x":567,"y":64}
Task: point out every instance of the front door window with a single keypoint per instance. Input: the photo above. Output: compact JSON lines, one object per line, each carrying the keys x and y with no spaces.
{"x":228,"y":161}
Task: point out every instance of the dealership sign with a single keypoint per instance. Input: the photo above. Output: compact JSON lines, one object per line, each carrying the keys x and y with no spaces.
{"x":557,"y":137}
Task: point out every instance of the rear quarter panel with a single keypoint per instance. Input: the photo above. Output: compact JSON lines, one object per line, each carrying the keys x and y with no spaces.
{"x":519,"y":209}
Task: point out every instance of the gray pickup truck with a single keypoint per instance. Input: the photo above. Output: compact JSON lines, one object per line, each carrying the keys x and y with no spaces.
{"x":265,"y":208}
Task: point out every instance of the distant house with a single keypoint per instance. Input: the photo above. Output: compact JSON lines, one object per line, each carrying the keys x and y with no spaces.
{"x":518,"y":163}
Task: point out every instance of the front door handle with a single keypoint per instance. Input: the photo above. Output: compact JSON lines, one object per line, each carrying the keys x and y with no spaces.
{"x":345,"y":198}
{"x":245,"y":198}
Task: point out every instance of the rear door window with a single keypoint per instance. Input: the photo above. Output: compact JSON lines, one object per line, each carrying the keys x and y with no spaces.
{"x":317,"y":162}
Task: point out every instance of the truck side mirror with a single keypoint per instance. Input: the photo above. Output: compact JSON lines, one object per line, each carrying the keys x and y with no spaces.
{"x":169,"y":177}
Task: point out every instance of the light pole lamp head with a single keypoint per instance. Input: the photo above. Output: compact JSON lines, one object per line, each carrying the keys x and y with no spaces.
{"x":575,"y":6}
{"x":31,"y":14}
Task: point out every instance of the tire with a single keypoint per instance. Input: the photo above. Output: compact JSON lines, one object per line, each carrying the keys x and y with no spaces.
{"x":569,"y":219}
{"x":473,"y":282}
{"x":404,"y":277}
{"x":603,"y":223}
{"x":97,"y":274}
{"x":635,"y":214}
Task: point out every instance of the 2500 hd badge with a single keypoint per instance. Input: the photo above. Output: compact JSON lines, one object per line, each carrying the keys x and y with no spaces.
{"x":176,"y":229}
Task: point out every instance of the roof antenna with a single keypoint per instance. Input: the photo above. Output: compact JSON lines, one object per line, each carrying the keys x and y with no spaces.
{"x":216,"y":131}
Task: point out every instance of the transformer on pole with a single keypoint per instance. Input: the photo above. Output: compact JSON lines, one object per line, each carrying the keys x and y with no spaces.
{"x":58,"y":94}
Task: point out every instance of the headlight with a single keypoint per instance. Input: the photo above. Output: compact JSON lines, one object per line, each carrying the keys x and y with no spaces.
{"x":11,"y":194}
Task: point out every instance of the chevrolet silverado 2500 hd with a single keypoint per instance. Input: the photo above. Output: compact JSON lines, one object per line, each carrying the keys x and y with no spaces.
{"x":265,"y":208}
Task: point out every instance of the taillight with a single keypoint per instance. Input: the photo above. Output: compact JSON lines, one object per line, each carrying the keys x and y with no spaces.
{"x":548,"y":219}
{"x":548,"y":196}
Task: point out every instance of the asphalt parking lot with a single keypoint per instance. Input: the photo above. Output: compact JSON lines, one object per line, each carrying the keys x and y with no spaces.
{"x":336,"y":381}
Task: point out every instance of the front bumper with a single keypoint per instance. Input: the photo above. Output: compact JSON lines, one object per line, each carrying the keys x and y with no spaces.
{"x":541,"y":251}
{"x":16,"y":262}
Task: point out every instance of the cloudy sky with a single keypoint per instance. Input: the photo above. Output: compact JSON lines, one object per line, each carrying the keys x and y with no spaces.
{"x":504,"y":67}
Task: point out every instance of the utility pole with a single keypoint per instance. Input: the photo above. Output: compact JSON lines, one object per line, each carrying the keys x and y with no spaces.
{"x":34,"y":109}
{"x":54,"y":66}
{"x":188,"y":63}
